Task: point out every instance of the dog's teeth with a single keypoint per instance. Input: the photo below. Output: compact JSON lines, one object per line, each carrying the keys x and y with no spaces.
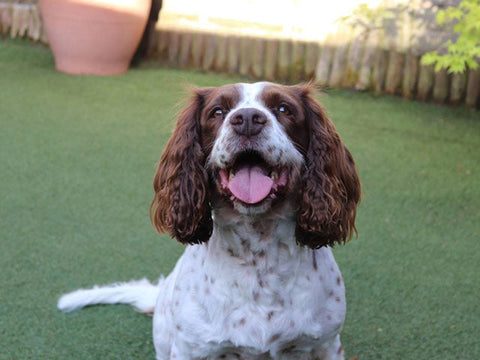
{"x":273,"y":196}
{"x":274,"y":175}
{"x":232,"y":198}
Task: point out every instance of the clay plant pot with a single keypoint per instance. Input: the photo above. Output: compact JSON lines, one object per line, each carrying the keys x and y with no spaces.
{"x":94,"y":37}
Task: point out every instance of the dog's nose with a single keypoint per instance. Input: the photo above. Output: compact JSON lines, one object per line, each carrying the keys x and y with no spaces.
{"x":248,"y":121}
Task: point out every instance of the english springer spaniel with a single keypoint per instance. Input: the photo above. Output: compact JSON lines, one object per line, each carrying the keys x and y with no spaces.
{"x":256,"y":180}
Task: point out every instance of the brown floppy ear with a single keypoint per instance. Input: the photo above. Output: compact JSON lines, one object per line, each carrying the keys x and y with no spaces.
{"x":330,"y":186}
{"x":181,"y":202}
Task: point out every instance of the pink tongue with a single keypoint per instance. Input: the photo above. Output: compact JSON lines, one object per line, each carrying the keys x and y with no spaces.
{"x":250,"y":184}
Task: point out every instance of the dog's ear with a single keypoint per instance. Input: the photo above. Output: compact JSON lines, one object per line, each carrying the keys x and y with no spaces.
{"x":181,"y":203}
{"x":330,"y":188}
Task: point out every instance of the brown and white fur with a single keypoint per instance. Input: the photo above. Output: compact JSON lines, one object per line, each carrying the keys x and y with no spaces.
{"x":256,"y":180}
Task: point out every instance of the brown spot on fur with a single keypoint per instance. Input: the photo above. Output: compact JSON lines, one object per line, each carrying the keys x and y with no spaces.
{"x":270,"y":315}
{"x":289,"y":349}
{"x":274,"y":338}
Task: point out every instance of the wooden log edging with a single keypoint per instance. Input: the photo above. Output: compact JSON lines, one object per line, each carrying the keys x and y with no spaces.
{"x":347,"y":60}
{"x":21,"y":20}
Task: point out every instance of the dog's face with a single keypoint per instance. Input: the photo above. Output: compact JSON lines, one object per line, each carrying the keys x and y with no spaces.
{"x":253,"y":147}
{"x":254,"y":153}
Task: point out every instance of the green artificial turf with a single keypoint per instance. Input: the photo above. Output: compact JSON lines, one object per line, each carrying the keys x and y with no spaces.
{"x":77,"y":158}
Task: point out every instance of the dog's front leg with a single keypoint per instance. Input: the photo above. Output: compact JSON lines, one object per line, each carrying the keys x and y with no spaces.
{"x":332,"y":352}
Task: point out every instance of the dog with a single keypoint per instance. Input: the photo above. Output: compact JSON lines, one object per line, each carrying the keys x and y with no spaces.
{"x":257,"y":182}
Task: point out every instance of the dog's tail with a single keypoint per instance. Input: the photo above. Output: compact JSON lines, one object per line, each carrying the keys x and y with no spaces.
{"x":140,"y":294}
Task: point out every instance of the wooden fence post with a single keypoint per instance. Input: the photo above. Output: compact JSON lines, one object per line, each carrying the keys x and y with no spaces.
{"x":257,"y":58}
{"x":284,"y":59}
{"x":210,"y":41}
{"x":173,"y":47}
{"x":220,"y":61}
{"x":366,"y":67}
{"x":270,"y":59}
{"x":162,"y":45}
{"x":340,"y":58}
{"x":380,"y":70}
{"x":322,"y":72}
{"x":245,"y":54}
{"x":184,"y":51}
{"x":198,"y":49}
{"x":297,"y":65}
{"x":410,"y":76}
{"x":472,"y":98}
{"x":233,"y":52}
{"x":312,"y":54}
{"x":425,"y":82}
{"x":440,"y":86}
{"x":397,"y":44}
{"x":457,"y":89}
{"x":354,"y":59}
{"x":394,"y":75}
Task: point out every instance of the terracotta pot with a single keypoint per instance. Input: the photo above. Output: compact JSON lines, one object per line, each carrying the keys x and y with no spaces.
{"x":94,"y":37}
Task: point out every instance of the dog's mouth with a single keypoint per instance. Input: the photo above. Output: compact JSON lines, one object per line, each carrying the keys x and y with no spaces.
{"x":251,"y":179}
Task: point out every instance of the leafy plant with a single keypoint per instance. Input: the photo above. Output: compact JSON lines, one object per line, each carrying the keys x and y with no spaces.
{"x":369,"y":18}
{"x":465,"y":51}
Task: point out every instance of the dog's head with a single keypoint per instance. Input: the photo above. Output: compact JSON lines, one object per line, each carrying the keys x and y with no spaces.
{"x":253,"y":147}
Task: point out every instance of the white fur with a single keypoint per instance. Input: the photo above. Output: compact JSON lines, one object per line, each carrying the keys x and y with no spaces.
{"x":255,"y":298}
{"x":140,"y":294}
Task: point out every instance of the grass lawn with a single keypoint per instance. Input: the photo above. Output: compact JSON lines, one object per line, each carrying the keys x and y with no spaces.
{"x":77,"y":158}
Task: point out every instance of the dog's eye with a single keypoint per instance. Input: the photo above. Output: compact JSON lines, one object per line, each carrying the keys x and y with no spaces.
{"x":218,"y":113}
{"x":283,"y":108}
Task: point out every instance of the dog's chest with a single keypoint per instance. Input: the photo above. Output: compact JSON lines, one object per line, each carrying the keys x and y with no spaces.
{"x":251,"y":296}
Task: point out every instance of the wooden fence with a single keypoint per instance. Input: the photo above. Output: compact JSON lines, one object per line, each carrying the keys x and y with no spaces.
{"x":21,"y":20}
{"x":356,"y":62}
{"x":347,"y":59}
